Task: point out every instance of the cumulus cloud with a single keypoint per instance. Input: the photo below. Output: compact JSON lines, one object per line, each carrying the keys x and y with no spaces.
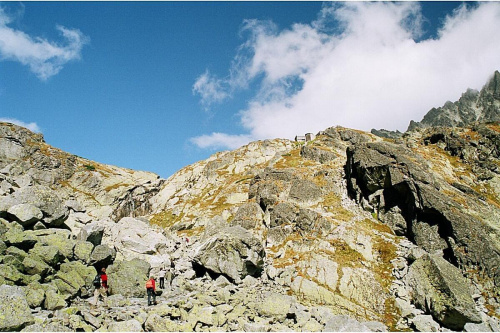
{"x":360,"y":65}
{"x":221,"y":140}
{"x":31,"y":126}
{"x":44,"y":58}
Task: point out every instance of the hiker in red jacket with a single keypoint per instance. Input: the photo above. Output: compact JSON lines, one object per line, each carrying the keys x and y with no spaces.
{"x":151,"y":288}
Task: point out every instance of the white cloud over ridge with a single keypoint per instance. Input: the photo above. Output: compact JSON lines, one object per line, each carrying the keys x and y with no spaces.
{"x":359,"y":65}
{"x":43,"y":57}
{"x":31,"y":126}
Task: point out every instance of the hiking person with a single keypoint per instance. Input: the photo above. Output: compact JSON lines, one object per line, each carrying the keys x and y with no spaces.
{"x":161,"y":275}
{"x":151,"y":289}
{"x":101,"y":286}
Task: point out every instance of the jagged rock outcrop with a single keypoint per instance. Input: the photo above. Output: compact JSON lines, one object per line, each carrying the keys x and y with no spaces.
{"x":392,"y":181}
{"x":473,"y":106}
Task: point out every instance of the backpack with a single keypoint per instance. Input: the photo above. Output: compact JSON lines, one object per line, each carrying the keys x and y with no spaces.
{"x":97,"y":281}
{"x":149,"y":284}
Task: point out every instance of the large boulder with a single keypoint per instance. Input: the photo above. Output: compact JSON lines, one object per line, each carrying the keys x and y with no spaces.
{"x":16,"y":236}
{"x":248,"y":216}
{"x":59,"y":238}
{"x":128,"y":278}
{"x":83,"y":251}
{"x":275,"y":305}
{"x":92,"y":233}
{"x":15,"y":312}
{"x":102,"y":255}
{"x":25,"y":214}
{"x":46,"y":199}
{"x":135,"y":237}
{"x":439,"y":288}
{"x":49,"y":254}
{"x":232,"y":251}
{"x":35,"y":294}
{"x":74,"y":278}
{"x":35,"y":265}
{"x":131,"y":325}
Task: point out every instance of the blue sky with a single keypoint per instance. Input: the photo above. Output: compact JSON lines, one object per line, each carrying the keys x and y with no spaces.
{"x":159,"y":85}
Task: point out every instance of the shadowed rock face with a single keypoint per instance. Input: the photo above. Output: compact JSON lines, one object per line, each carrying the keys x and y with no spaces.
{"x":391,"y":180}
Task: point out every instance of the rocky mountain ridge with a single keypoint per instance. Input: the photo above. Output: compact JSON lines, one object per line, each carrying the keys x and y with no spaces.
{"x":350,"y":231}
{"x":473,"y":107}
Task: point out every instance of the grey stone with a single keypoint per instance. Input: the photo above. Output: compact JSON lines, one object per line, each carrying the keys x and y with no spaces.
{"x":425,"y":323}
{"x":72,"y":277}
{"x":131,"y":325}
{"x":248,"y":216}
{"x":83,"y":251}
{"x":102,"y":255}
{"x":49,"y":254}
{"x":439,"y":287}
{"x":35,"y":265}
{"x":25,"y":214}
{"x":482,"y":327}
{"x":92,"y":233}
{"x":304,"y":191}
{"x":128,"y":278}
{"x":35,"y":294}
{"x":15,"y":313}
{"x":233,"y":251}
{"x":59,"y":238}
{"x":275,"y":305}
{"x":45,"y":327}
{"x":53,"y":300}
{"x":46,"y":199}
{"x":39,"y":226}
{"x":344,"y":324}
{"x":17,"y":237}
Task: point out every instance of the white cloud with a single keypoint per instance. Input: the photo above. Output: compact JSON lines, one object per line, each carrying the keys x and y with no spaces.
{"x":44,"y":58}
{"x":221,"y":140}
{"x":359,"y":65}
{"x":31,"y":126}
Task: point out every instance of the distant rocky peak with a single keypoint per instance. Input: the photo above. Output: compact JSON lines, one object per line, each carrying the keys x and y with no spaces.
{"x":471,"y":107}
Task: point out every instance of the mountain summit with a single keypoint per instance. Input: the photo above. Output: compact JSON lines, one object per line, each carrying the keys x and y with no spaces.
{"x":473,"y":106}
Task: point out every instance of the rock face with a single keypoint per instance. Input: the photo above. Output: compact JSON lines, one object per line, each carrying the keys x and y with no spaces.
{"x":392,"y":182}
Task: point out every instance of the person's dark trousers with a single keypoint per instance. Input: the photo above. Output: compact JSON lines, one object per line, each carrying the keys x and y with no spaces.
{"x":162,"y":283}
{"x":151,"y":293}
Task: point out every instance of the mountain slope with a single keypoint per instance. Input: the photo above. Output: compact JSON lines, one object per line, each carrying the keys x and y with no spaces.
{"x":349,"y":231}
